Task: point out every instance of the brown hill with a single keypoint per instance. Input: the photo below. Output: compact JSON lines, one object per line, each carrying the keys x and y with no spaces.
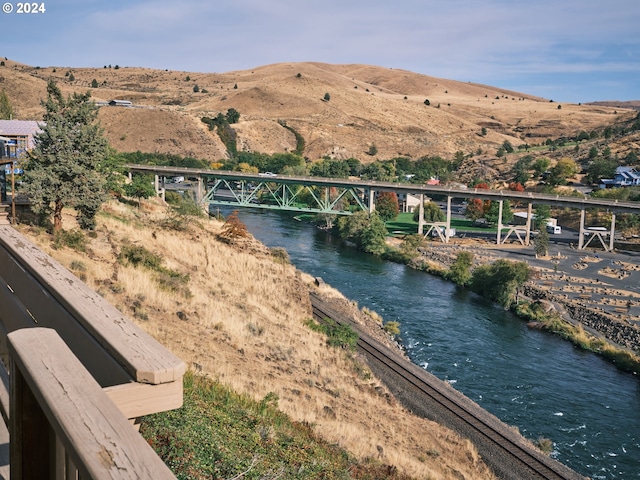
{"x":368,"y":106}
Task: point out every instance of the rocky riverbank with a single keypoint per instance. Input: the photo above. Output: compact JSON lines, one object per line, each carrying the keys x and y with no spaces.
{"x":613,"y":326}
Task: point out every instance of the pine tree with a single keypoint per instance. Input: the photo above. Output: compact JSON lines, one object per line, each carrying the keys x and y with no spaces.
{"x":67,"y":166}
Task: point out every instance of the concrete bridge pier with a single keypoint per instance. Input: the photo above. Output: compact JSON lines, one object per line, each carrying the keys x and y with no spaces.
{"x":498,"y":238}
{"x":612,"y":231}
{"x":581,"y":232}
{"x":159,"y":186}
{"x":421,"y":217}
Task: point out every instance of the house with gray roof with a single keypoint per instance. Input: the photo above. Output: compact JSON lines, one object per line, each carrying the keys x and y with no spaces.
{"x":624,"y":177}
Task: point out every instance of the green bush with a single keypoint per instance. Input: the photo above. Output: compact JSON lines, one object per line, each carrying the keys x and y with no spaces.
{"x":342,"y":336}
{"x":139,"y":256}
{"x":73,"y":239}
{"x":392,"y":328}
{"x":500,"y":281}
{"x":460,"y":270}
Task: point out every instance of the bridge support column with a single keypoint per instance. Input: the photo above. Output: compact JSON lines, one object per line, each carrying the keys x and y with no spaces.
{"x":372,"y":203}
{"x":498,"y":237}
{"x":581,"y":232}
{"x":612,"y":232}
{"x":200,"y":191}
{"x":527,"y":240}
{"x":447,"y":231}
{"x":159,"y":186}
{"x":421,"y":217}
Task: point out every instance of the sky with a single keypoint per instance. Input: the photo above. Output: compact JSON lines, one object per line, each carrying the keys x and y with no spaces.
{"x":573,"y":51}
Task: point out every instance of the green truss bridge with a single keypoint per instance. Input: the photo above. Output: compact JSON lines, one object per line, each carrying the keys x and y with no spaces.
{"x":336,"y":196}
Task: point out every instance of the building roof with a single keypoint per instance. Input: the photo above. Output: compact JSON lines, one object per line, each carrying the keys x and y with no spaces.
{"x":22,"y":128}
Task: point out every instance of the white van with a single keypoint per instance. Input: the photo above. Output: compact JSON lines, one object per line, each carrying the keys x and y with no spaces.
{"x":554,"y":229}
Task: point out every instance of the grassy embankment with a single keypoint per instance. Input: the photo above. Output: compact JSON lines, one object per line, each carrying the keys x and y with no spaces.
{"x":551,"y":322}
{"x":269,"y":393}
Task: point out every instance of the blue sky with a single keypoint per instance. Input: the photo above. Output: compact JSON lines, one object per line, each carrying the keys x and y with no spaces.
{"x":565,"y":50}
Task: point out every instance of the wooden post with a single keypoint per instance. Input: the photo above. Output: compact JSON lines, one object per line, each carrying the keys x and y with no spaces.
{"x":29,"y":432}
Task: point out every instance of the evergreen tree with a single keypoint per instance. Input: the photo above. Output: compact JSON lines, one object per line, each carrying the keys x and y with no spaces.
{"x":66,"y":167}
{"x":541,"y":241}
{"x":431,"y":211}
{"x":6,"y":110}
{"x":494,"y":209}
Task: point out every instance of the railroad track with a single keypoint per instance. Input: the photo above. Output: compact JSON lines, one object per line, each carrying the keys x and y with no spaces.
{"x":503,"y":449}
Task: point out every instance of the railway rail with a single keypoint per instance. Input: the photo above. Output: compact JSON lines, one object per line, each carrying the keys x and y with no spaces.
{"x":505,"y":451}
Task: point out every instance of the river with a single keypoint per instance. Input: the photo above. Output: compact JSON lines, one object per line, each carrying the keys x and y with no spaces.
{"x":532,"y":380}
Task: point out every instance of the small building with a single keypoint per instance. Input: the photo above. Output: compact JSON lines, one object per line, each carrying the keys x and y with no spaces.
{"x":20,"y":133}
{"x":408,"y":202}
{"x":520,"y":218}
{"x":120,"y":103}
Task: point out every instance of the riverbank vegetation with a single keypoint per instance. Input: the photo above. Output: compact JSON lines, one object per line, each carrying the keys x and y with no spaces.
{"x":552,"y":322}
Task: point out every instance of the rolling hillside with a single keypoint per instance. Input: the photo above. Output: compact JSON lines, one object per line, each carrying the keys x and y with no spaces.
{"x":368,"y":106}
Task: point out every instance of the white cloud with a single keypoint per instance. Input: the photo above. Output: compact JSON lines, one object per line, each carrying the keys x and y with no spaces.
{"x":490,"y":41}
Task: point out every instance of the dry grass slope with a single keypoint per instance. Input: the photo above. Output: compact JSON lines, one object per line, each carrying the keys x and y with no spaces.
{"x":240,"y":320}
{"x":368,"y":106}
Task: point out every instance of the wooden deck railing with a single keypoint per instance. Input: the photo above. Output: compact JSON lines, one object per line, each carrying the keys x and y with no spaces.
{"x":62,"y":424}
{"x":132,"y":369}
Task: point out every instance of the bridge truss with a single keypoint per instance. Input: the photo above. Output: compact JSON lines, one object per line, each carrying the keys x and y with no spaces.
{"x":282,"y":194}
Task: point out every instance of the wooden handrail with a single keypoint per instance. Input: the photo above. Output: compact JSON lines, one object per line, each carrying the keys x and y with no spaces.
{"x":138,"y":374}
{"x":52,"y":391}
{"x":52,"y":296}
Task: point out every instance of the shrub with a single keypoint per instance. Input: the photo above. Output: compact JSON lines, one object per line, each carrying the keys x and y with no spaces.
{"x":233,"y":229}
{"x":392,"y":328}
{"x":460,"y":270}
{"x":342,"y":336}
{"x":73,"y":239}
{"x":280,"y":255}
{"x":139,"y":256}
{"x":545,"y":445}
